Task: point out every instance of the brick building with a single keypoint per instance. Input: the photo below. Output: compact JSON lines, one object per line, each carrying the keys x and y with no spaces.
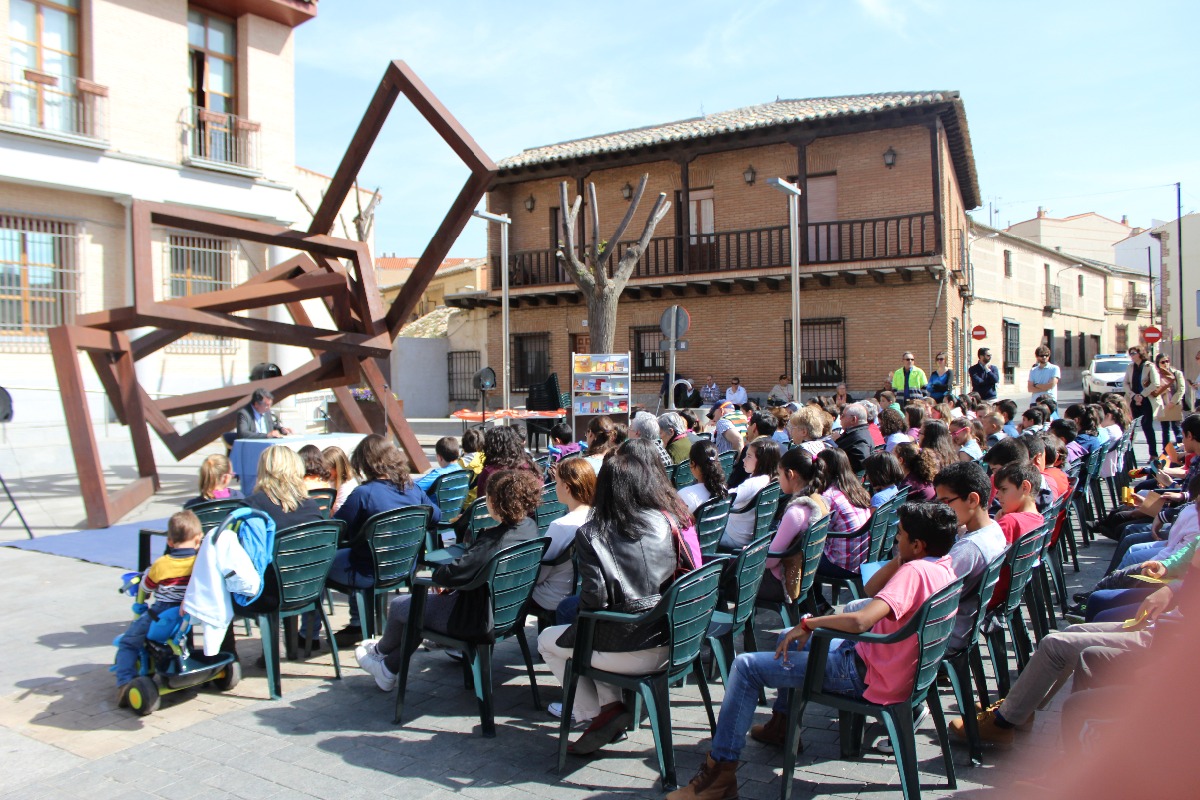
{"x":887,"y":180}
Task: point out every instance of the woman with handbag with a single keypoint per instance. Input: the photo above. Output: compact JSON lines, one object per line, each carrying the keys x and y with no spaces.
{"x":1141,"y":379}
{"x":1172,"y":388}
{"x":629,"y":553}
{"x":801,"y":477}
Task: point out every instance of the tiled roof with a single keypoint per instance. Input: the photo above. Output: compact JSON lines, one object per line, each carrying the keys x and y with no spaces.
{"x":780,"y":112}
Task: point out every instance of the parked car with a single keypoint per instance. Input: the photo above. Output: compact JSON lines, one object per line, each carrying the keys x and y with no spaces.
{"x":1105,"y":374}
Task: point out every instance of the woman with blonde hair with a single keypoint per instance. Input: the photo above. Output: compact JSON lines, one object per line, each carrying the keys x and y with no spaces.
{"x":215,"y":476}
{"x":808,"y":428}
{"x":279,"y":491}
{"x":342,"y":475}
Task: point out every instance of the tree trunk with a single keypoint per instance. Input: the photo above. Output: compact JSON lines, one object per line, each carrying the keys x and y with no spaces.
{"x":602,"y":319}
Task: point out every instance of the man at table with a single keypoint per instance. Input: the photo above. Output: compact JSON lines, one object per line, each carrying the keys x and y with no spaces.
{"x":255,"y":421}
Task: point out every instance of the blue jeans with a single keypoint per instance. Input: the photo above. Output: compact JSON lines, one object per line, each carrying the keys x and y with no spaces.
{"x":132,"y":643}
{"x":341,"y":572}
{"x":1107,"y":599}
{"x":753,"y":671}
{"x":567,"y":610}
{"x":1141,"y":552}
{"x":1138,"y":533}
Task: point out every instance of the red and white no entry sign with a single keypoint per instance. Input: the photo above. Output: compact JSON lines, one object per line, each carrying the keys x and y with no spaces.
{"x":1152,"y":335}
{"x":978,"y":333}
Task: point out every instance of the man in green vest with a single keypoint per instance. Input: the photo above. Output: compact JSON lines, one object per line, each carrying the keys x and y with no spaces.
{"x":909,"y":379}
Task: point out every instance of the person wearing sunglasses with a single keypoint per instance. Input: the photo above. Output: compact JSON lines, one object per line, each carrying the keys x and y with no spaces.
{"x":941,"y":379}
{"x":736,"y":393}
{"x":909,"y":379}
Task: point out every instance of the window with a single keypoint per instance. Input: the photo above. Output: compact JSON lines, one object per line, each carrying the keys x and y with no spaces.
{"x":1080,"y":280}
{"x":198,"y":265}
{"x":530,"y":362}
{"x":1122,"y":339}
{"x":822,"y":351}
{"x":44,"y":64}
{"x":216,"y":133}
{"x":1012,"y":350}
{"x":1048,"y":340}
{"x":1083,"y":349}
{"x":39,"y":280}
{"x":1067,"y":349}
{"x":461,"y":366}
{"x":1008,"y":263}
{"x":648,"y":361}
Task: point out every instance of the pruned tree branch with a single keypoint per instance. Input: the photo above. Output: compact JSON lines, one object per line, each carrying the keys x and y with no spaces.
{"x":634,"y":254}
{"x":594,"y":213}
{"x":580,"y":273}
{"x":633,"y":207}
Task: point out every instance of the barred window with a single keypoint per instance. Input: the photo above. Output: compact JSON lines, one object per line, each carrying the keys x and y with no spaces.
{"x":1012,"y":350}
{"x":822,"y":351}
{"x":648,"y":361}
{"x":39,"y":279}
{"x":197,"y":265}
{"x":530,"y":362}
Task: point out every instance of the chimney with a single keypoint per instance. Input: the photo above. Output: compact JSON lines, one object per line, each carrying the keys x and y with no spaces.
{"x":1041,"y":212}
{"x":1125,"y":220}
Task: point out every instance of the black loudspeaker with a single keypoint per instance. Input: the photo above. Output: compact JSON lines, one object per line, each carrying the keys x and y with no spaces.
{"x":484,"y":380}
{"x":5,"y":405}
{"x":265,"y":370}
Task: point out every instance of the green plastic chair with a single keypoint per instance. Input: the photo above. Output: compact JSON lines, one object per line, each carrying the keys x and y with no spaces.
{"x":764,"y":503}
{"x":295,"y":582}
{"x":746,"y":575}
{"x":479,"y":518}
{"x":547,"y":512}
{"x":932,"y":625}
{"x":1022,"y":558}
{"x":394,"y":539}
{"x":727,"y":458}
{"x":681,"y":474}
{"x":711,"y":517}
{"x":210,"y":513}
{"x":876,"y":533}
{"x":450,"y":490}
{"x":550,"y":492}
{"x":324,"y":499}
{"x":686,"y":609}
{"x":894,"y":523}
{"x":509,"y":577}
{"x":810,"y":544}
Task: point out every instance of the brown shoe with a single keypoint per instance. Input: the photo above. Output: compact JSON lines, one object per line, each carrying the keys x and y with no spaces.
{"x":608,"y":726}
{"x":774,"y":732}
{"x":1024,"y":727}
{"x":989,"y":731}
{"x":716,"y":780}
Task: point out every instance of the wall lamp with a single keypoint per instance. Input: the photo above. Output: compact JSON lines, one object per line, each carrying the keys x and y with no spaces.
{"x":889,"y":158}
{"x":749,"y":174}
{"x":530,"y":203}
{"x":627,"y":191}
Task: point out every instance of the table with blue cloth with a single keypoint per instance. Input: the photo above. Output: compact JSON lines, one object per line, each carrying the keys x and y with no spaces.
{"x":246,"y":452}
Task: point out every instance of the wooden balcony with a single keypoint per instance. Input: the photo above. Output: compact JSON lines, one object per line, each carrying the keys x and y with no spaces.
{"x":676,"y":257}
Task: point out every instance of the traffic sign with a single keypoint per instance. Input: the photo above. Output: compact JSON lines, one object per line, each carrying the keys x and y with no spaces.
{"x":1152,"y":335}
{"x":979,"y":333}
{"x":665,"y":344}
{"x":682,"y":321}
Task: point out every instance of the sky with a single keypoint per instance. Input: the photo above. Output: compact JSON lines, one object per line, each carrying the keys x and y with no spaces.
{"x":1072,"y":106}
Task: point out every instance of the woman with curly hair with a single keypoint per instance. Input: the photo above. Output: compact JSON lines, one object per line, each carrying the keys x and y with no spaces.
{"x":317,"y":474}
{"x":920,"y":468}
{"x":503,"y":448}
{"x":512,"y":502}
{"x":894,"y":428}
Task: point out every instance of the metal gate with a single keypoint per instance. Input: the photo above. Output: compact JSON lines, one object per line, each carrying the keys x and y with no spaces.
{"x":461,"y":366}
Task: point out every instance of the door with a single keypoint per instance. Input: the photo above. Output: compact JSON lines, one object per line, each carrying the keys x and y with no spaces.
{"x":702,"y":241}
{"x":824,"y":235}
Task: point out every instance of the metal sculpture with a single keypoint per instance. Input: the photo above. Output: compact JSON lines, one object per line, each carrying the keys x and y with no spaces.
{"x":364,"y":331}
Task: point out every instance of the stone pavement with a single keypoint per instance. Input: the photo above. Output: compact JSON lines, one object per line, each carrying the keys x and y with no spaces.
{"x":62,"y":736}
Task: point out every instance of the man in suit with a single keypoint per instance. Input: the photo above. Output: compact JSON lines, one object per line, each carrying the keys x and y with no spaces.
{"x":255,"y":421}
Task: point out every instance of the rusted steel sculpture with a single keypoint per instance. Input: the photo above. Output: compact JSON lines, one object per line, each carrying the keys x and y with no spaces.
{"x":365,"y":329}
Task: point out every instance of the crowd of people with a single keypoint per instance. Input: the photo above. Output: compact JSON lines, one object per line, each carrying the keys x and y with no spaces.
{"x":978,"y":473}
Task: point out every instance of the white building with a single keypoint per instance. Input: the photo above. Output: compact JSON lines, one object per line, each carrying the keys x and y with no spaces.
{"x":1187,"y":297}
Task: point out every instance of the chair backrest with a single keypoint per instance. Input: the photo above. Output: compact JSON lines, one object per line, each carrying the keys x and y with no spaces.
{"x":881,"y":522}
{"x":211,"y":512}
{"x":543,"y":464}
{"x":765,"y":504}
{"x":511,"y":574}
{"x":711,"y":517}
{"x":987,"y":587}
{"x":550,"y":493}
{"x":689,"y":606}
{"x":727,"y":458}
{"x":544,"y":396}
{"x":747,"y":575}
{"x":935,"y":623}
{"x":1095,"y":462}
{"x":1022,"y":557}
{"x":480,"y":519}
{"x":324,"y":499}
{"x":810,"y":545}
{"x":450,"y":489}
{"x":547,"y":512}
{"x":681,"y":474}
{"x":893,"y":528}
{"x":394,"y":539}
{"x":303,"y":555}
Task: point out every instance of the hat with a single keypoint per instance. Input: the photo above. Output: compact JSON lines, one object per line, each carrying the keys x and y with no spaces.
{"x":723,"y":404}
{"x":792,"y":407}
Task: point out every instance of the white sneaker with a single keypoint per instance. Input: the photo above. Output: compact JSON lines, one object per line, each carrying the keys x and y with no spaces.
{"x":884,"y":743}
{"x":555,"y":710}
{"x":372,"y":663}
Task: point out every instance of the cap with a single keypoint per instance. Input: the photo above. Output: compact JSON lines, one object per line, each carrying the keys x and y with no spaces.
{"x":723,"y":404}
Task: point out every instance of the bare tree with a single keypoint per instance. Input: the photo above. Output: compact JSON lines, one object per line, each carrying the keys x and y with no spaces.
{"x":591,"y":274}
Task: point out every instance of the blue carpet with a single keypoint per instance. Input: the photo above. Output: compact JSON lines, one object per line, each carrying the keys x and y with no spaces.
{"x":113,"y":547}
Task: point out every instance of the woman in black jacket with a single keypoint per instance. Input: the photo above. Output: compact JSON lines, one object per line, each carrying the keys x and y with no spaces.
{"x":513,"y":497}
{"x":627,"y":558}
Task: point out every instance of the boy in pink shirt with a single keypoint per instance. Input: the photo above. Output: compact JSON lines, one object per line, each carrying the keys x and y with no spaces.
{"x":879,"y":673}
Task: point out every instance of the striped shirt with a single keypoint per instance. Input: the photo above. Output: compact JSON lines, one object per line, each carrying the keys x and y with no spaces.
{"x":846,"y":552}
{"x":168,"y":576}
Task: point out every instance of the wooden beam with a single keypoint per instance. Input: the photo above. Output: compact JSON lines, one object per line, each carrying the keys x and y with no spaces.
{"x":878,"y":275}
{"x":677,"y":289}
{"x":79,"y":425}
{"x":263,"y":295}
{"x":823,"y":279}
{"x":654,"y":291}
{"x":850,"y":277}
{"x":395,"y":419}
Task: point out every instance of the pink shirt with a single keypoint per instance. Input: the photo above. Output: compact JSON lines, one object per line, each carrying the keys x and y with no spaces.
{"x":795,"y":522}
{"x":891,"y":668}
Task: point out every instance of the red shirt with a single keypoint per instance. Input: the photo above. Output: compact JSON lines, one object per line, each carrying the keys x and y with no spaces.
{"x":1059,"y":481}
{"x":876,"y":435}
{"x":1014,"y":526}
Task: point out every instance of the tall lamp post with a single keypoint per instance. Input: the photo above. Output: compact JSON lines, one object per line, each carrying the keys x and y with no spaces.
{"x":503,"y":220}
{"x":793,"y":195}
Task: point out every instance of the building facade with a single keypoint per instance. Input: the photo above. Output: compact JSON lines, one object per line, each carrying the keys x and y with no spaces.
{"x":1089,"y":234}
{"x":1181,"y":288}
{"x":886,"y":181}
{"x":111,"y":101}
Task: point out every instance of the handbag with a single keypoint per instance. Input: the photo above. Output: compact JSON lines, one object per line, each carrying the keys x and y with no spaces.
{"x":793,"y":566}
{"x":685,"y":557}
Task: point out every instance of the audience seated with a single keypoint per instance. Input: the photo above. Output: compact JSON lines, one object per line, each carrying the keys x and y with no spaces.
{"x":708,"y":474}
{"x":215,"y":476}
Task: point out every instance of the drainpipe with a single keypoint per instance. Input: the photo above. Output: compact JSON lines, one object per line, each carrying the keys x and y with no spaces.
{"x":933,"y":318}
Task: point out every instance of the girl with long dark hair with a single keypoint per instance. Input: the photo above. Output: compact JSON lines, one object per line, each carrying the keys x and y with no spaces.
{"x":851,"y":508}
{"x":801,"y":477}
{"x":710,"y":477}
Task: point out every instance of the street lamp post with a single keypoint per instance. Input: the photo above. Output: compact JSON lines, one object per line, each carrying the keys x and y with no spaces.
{"x":793,"y":194}
{"x":503,"y":220}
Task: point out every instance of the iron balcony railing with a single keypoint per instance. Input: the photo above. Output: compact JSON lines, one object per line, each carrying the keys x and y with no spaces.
{"x":1053,"y":298}
{"x":214,"y":138}
{"x":844,"y":241}
{"x":52,"y":104}
{"x":1135,"y":300}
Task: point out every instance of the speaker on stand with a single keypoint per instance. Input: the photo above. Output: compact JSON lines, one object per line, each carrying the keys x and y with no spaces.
{"x":6,"y":414}
{"x":484,"y":381}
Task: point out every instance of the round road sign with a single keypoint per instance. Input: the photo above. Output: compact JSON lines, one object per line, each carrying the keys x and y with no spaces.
{"x":1152,"y":335}
{"x":979,"y":333}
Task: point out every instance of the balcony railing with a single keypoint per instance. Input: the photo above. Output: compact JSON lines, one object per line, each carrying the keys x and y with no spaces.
{"x":1136,"y":300}
{"x":217,"y":139}
{"x":1053,"y":298}
{"x":758,"y":248}
{"x":53,"y":105}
